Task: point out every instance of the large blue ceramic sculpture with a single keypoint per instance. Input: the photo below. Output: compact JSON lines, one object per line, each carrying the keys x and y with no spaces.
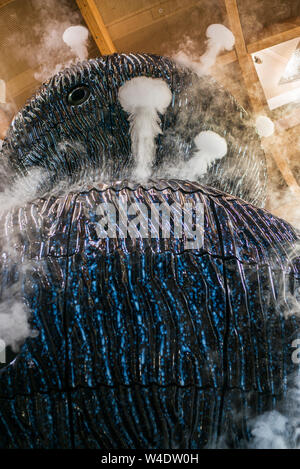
{"x":142,"y":344}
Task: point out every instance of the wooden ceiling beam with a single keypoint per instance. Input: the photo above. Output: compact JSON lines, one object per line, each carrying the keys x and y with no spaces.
{"x":227,"y":58}
{"x":285,"y":170}
{"x":145,"y":17}
{"x":231,"y":57}
{"x":245,"y":60}
{"x":274,"y":40}
{"x":95,"y":24}
{"x":5,"y":2}
{"x":251,"y":82}
{"x":20,"y":83}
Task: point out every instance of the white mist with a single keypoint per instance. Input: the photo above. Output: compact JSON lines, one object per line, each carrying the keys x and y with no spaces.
{"x":219,"y":38}
{"x":144,"y":98}
{"x":76,"y":38}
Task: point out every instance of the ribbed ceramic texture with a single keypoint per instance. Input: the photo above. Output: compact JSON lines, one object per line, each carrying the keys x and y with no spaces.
{"x":71,"y":141}
{"x":143,"y":343}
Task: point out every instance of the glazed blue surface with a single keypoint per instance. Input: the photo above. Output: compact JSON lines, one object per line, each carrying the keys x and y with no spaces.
{"x":142,"y":343}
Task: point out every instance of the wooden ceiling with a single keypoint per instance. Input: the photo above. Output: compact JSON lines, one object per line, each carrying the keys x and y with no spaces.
{"x":156,"y":26}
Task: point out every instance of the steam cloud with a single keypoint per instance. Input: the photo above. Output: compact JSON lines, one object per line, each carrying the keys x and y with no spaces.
{"x":219,"y":38}
{"x":41,"y":43}
{"x":14,"y":314}
{"x":210,"y":147}
{"x":14,"y":325}
{"x":22,"y":191}
{"x":264,"y":126}
{"x":76,"y":38}
{"x":280,"y":430}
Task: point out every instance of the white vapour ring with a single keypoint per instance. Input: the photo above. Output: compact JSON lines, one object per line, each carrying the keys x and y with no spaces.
{"x":143,"y":98}
{"x":265,"y":126}
{"x":219,"y":38}
{"x":210,"y":147}
{"x":76,"y":38}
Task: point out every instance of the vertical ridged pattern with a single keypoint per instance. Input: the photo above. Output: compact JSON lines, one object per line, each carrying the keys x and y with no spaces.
{"x":33,"y":402}
{"x":38,"y":421}
{"x":166,"y":347}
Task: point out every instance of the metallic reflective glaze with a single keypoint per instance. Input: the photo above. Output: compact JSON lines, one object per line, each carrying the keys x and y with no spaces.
{"x":142,"y":343}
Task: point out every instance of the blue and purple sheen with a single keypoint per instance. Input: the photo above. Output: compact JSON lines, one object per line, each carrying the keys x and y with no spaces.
{"x":142,"y":344}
